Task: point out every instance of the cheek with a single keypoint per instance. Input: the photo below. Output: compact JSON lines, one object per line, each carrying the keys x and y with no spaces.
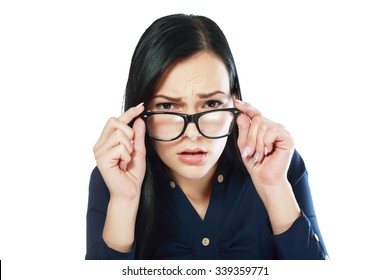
{"x":217,"y":146}
{"x":162,"y":148}
{"x":166,"y":151}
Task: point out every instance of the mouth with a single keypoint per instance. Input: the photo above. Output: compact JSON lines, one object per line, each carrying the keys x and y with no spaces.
{"x":193,"y":152}
{"x":192,"y":157}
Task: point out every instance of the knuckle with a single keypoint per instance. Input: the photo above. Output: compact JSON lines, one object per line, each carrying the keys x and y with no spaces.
{"x":118,"y":133}
{"x":112,"y":121}
{"x":251,"y":141}
{"x":130,"y":133}
{"x":264,"y":127}
{"x":290,"y":137}
{"x":122,"y":148}
{"x":274,"y":129}
{"x":99,"y":161}
{"x":256,"y":120}
{"x":95,"y":148}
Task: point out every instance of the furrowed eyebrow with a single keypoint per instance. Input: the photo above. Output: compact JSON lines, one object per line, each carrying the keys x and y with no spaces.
{"x":207,"y":95}
{"x":173,"y":99}
{"x":179,"y":99}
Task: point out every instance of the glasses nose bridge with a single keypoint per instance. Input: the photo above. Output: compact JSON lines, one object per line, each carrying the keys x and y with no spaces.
{"x":192,"y":119}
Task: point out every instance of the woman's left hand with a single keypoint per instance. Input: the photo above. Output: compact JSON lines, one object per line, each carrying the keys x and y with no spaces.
{"x":266,"y":147}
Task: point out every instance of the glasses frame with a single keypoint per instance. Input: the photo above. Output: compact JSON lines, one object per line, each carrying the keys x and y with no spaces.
{"x":188,"y":119}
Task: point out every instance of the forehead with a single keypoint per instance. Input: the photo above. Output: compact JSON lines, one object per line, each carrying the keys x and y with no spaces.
{"x":201,"y":73}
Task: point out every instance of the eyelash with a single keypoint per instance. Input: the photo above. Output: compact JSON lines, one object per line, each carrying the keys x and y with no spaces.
{"x":161,"y":106}
{"x":217,"y":103}
{"x":207,"y":104}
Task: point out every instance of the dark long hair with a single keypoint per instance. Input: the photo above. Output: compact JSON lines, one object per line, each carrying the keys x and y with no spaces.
{"x":171,"y":39}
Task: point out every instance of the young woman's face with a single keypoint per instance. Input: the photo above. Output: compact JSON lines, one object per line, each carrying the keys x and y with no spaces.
{"x":198,"y":84}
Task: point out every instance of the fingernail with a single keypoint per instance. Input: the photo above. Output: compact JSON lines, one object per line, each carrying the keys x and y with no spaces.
{"x":266,"y":151}
{"x":256,"y":157}
{"x":246,"y":152}
{"x":139,"y":105}
{"x":239,"y":101}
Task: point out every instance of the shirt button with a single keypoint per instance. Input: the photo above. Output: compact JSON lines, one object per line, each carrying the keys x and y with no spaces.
{"x":205,"y":242}
{"x":220,"y":178}
{"x":172,"y":184}
{"x":326,"y":257}
{"x":316,"y":237}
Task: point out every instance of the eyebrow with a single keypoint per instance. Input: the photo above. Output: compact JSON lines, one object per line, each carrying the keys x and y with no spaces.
{"x":207,"y":95}
{"x":200,"y":95}
{"x":173,"y":99}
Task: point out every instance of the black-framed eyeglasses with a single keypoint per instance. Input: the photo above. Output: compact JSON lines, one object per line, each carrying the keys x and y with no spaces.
{"x":169,"y":126}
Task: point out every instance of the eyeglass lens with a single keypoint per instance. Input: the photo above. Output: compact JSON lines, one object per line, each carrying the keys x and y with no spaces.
{"x":167,"y":126}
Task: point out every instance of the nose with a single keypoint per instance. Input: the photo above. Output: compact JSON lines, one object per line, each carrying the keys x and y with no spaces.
{"x":191,"y":131}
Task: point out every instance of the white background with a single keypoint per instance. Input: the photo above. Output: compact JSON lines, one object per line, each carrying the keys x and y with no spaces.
{"x":322,"y":68}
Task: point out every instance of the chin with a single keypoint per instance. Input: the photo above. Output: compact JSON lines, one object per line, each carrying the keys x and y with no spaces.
{"x":192,"y":172}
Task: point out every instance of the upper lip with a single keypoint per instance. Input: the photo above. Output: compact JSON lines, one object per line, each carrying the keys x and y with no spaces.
{"x":192,"y":151}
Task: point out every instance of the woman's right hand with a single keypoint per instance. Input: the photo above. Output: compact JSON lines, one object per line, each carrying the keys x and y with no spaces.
{"x":120,"y":154}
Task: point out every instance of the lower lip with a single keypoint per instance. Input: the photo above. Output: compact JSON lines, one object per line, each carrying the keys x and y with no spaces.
{"x":192,"y":159}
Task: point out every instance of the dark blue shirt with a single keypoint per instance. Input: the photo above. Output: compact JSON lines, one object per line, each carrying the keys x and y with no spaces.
{"x":236,"y":225}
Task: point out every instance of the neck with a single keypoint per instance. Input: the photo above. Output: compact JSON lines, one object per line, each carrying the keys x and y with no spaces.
{"x":198,"y":192}
{"x":197,"y":189}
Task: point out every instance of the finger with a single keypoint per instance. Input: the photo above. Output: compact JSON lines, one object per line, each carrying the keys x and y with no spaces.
{"x":139,"y":137}
{"x":253,"y":139}
{"x":269,"y":138}
{"x":243,"y":123}
{"x":277,"y":137}
{"x":112,"y":125}
{"x":263,"y":148}
{"x":131,"y":113}
{"x":116,"y":138}
{"x":124,"y":161}
{"x":117,"y":156}
{"x":139,"y":152}
{"x":247,"y":108}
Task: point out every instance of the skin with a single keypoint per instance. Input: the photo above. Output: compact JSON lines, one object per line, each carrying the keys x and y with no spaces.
{"x":197,"y":84}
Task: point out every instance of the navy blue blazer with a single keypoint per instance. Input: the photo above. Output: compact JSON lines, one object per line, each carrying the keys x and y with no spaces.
{"x":236,"y":225}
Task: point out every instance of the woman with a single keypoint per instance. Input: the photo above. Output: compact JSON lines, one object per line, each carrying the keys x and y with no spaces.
{"x":189,"y":171}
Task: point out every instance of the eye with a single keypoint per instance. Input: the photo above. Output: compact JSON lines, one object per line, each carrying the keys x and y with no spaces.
{"x":213,"y":104}
{"x":164,"y":106}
